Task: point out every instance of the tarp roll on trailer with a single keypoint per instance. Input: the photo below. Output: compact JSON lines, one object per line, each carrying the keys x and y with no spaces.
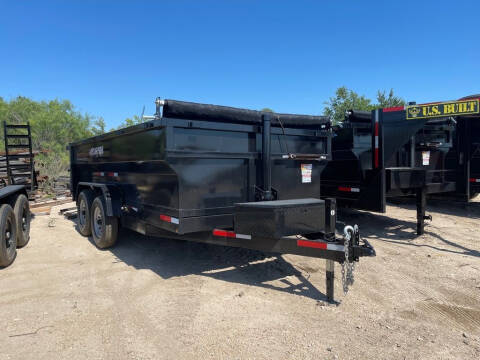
{"x":359,"y":116}
{"x":194,"y":111}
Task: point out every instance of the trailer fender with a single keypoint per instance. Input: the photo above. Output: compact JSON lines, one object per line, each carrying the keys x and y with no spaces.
{"x":9,"y":193}
{"x":111,"y":193}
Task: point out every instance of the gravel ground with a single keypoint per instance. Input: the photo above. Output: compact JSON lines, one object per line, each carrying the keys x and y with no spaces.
{"x":152,"y":298}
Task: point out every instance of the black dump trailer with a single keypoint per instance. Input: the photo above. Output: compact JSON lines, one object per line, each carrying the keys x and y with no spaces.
{"x":394,"y":152}
{"x":18,"y":183}
{"x":217,"y":175}
{"x":467,"y":144}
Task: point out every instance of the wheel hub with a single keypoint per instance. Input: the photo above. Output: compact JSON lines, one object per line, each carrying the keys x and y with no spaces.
{"x":98,"y":222}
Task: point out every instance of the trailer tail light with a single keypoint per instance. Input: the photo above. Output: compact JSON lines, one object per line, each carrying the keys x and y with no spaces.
{"x":320,"y":245}
{"x":169,"y":219}
{"x":230,"y":234}
{"x":348,"y":189}
{"x":473,"y":180}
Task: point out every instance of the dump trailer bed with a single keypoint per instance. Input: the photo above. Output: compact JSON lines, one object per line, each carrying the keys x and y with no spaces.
{"x":391,"y":153}
{"x":467,"y":144}
{"x":214,"y":174}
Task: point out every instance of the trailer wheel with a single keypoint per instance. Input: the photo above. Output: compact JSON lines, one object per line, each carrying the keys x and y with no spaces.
{"x":84,"y":206}
{"x":104,"y":228}
{"x":22,"y":217}
{"x":8,"y":235}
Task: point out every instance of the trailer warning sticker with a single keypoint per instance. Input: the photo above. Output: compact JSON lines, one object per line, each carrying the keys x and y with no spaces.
{"x":425,"y":157}
{"x":452,"y":108}
{"x":306,"y":173}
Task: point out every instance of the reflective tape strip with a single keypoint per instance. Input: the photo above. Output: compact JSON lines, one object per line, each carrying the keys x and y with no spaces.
{"x":348,"y":189}
{"x":322,"y":245}
{"x":395,"y":108}
{"x":230,"y":234}
{"x":110,"y":173}
{"x":376,"y":151}
{"x":169,"y":219}
{"x":473,"y":180}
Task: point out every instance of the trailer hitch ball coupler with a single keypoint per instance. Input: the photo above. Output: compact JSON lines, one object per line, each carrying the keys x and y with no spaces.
{"x":348,"y":231}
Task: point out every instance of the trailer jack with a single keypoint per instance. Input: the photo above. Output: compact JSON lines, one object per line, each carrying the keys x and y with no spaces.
{"x":421,"y":207}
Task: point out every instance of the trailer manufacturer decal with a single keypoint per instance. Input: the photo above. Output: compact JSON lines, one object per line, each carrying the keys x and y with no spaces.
{"x":306,"y":173}
{"x":96,"y":151}
{"x":452,"y":108}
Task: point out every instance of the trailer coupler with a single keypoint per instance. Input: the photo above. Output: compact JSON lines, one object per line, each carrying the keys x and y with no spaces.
{"x":365,"y":249}
{"x":353,"y":250}
{"x":357,"y":247}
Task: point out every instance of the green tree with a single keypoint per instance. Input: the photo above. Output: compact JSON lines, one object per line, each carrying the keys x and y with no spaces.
{"x":345,"y":100}
{"x":98,"y":127}
{"x":390,"y":100}
{"x":134,"y":120}
{"x":54,"y":124}
{"x":266,"y":109}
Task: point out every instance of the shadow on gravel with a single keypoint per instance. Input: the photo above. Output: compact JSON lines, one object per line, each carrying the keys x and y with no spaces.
{"x":447,"y":206}
{"x":388,"y":229}
{"x":171,"y":258}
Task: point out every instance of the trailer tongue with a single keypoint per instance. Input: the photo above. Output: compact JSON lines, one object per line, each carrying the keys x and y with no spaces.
{"x":217,"y":175}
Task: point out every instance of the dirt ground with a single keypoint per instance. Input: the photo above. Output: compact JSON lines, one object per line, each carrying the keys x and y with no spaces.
{"x":152,"y":298}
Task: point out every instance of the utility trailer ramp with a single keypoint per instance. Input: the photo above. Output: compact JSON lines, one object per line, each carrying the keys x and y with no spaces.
{"x":219,"y":175}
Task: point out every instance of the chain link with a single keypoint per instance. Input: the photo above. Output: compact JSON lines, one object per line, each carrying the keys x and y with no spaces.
{"x":348,"y":267}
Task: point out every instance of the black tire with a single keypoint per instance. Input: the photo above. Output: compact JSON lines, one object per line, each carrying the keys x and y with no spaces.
{"x":104,"y":228}
{"x":8,"y":235}
{"x":22,"y":217}
{"x":84,"y":206}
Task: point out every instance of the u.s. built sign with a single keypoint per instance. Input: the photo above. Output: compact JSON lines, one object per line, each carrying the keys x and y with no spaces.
{"x":452,"y":108}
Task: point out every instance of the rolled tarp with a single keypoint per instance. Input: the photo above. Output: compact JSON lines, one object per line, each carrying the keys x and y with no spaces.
{"x":195,"y":111}
{"x":359,"y":116}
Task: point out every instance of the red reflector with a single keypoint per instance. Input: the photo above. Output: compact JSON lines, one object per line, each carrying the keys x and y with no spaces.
{"x":111,"y":174}
{"x":312,"y":244}
{"x":376,"y":129}
{"x":344,"y":188}
{"x":395,"y":108}
{"x":473,"y":180}
{"x":224,"y":233}
{"x":165,"y":218}
{"x":376,"y":158}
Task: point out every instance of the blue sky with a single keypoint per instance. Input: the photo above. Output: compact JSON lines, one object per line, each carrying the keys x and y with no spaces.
{"x":112,"y":57}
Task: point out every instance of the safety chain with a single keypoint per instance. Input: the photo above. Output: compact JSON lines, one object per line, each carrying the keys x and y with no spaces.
{"x":347,"y":266}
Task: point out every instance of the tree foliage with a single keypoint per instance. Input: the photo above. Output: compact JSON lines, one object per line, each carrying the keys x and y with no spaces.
{"x":54,"y":124}
{"x":346,"y":99}
{"x":134,"y":120}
